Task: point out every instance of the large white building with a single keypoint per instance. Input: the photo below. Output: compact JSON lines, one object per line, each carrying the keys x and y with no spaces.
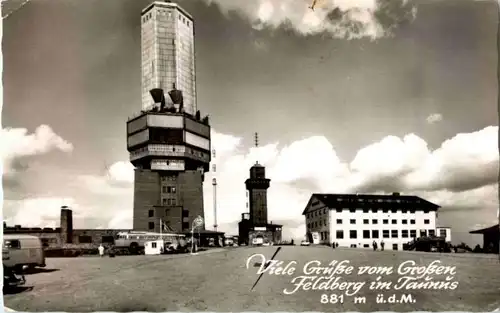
{"x":355,"y":220}
{"x":167,"y":42}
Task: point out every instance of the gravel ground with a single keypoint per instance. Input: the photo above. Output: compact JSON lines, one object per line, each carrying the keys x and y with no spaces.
{"x":218,"y":280}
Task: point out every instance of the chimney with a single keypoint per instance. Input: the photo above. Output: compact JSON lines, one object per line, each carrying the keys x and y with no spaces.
{"x":66,"y":225}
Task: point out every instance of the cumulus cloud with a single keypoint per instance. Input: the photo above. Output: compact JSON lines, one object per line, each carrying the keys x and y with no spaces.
{"x":434,"y":118}
{"x":117,"y":179}
{"x":460,"y":175}
{"x":36,"y":211}
{"x":340,"y":18}
{"x":16,"y":142}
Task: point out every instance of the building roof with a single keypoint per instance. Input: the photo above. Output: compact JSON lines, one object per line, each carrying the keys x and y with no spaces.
{"x":205,"y":232}
{"x":166,"y":4}
{"x":491,"y":229}
{"x":18,"y":236}
{"x":361,"y":200}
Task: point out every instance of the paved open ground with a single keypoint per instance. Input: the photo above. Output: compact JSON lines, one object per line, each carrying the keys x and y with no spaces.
{"x":220,"y":281}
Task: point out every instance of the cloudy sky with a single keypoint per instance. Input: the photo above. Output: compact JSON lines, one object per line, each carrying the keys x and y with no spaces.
{"x":355,"y":96}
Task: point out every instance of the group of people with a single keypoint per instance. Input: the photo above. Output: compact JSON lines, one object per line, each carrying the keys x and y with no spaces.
{"x":375,"y":246}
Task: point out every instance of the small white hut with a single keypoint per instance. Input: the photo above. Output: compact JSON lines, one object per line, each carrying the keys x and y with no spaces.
{"x":154,"y":247}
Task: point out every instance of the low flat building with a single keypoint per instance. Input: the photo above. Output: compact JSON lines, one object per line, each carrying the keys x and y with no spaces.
{"x":356,"y":220}
{"x":491,"y":238}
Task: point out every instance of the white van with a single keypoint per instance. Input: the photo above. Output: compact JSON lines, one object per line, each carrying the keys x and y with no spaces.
{"x":22,"y":250}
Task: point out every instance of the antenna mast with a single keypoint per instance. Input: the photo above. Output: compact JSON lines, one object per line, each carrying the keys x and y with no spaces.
{"x":214,"y":184}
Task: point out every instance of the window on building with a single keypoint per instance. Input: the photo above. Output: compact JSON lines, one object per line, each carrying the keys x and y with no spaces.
{"x":164,"y":189}
{"x":394,"y":246}
{"x":151,"y":225}
{"x":374,"y":210}
{"x":185,"y":213}
{"x":151,"y":213}
{"x":167,"y":212}
{"x":353,"y":221}
{"x":412,"y":222}
{"x":385,"y":210}
{"x":404,"y":233}
{"x":426,"y":211}
{"x":394,"y":210}
{"x":404,"y":211}
{"x":340,"y":234}
{"x":366,"y":246}
{"x":164,"y":201}
{"x":108,"y":239}
{"x":404,"y":222}
{"x":185,"y":225}
{"x":338,"y":210}
{"x":353,"y":234}
{"x":423,"y":233}
{"x":412,"y":211}
{"x":374,"y":221}
{"x":385,"y":221}
{"x":394,"y":233}
{"x":432,"y":232}
{"x":426,"y":221}
{"x":365,"y":210}
{"x":366,"y":221}
{"x":324,"y":211}
{"x":385,"y":233}
{"x":84,"y":239}
{"x":352,"y":210}
{"x":394,"y":221}
{"x":153,"y":245}
{"x":442,"y":233}
{"x":366,"y":234}
{"x":375,"y":234}
{"x":339,"y":221}
{"x":413,"y":233}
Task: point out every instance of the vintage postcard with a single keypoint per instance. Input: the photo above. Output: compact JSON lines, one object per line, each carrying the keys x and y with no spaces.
{"x":250,"y":155}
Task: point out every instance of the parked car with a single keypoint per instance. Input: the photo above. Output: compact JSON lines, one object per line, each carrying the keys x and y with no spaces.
{"x":22,"y":251}
{"x":305,"y":243}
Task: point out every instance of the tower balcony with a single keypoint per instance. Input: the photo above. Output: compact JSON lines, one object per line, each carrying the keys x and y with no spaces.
{"x":169,"y":141}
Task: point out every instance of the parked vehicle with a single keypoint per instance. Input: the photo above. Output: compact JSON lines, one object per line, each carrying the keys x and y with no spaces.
{"x":133,"y":241}
{"x":12,"y":279}
{"x":22,"y":251}
{"x":305,"y":243}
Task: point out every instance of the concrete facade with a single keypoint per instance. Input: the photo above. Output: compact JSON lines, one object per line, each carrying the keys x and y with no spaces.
{"x":168,"y":140}
{"x":358,"y":220}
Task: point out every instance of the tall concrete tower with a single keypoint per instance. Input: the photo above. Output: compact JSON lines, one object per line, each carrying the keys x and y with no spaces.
{"x":168,"y":141}
{"x":168,"y":52}
{"x":257,"y":186}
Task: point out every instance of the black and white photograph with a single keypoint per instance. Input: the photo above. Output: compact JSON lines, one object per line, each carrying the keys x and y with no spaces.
{"x":250,"y":155}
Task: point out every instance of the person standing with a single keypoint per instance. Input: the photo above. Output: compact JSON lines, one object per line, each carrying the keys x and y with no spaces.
{"x":101,"y":250}
{"x":382,"y":244}
{"x":374,"y":244}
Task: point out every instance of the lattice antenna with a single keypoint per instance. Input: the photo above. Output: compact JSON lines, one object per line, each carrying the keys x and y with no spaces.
{"x":256,"y":139}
